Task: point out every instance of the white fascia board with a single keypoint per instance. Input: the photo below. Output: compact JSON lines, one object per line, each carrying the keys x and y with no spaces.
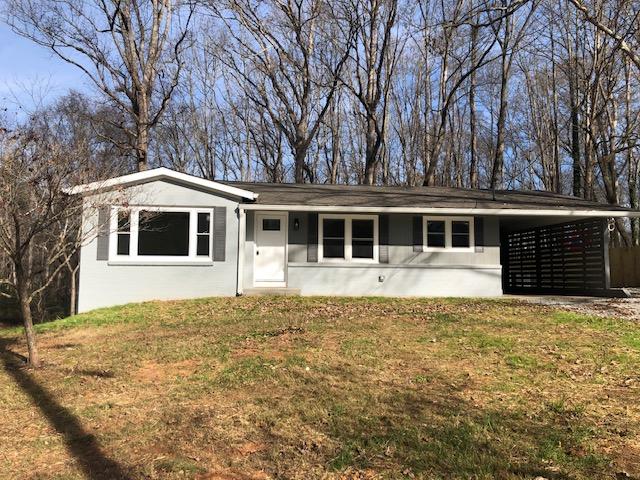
{"x":450,"y":211}
{"x":159,"y":174}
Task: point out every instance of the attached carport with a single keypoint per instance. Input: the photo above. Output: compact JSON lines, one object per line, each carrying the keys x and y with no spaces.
{"x":550,"y":258}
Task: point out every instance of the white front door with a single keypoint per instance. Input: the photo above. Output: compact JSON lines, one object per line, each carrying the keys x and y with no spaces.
{"x":270,"y":253}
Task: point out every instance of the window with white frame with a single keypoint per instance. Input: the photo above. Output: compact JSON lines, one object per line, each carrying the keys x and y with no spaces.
{"x":348,"y":238}
{"x":161,"y":234}
{"x":449,"y":234}
{"x":123,"y":233}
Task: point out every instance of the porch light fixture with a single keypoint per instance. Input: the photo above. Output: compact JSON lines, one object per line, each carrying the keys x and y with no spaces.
{"x":296,"y":223}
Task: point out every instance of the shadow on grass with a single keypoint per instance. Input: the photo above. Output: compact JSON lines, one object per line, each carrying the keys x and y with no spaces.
{"x":431,"y":432}
{"x":82,"y":445}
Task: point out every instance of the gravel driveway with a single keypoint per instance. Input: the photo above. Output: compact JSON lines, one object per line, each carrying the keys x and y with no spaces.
{"x":628,"y":308}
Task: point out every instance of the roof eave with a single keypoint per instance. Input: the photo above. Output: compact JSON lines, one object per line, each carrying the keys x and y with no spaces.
{"x":160,"y":174}
{"x":534,"y":212}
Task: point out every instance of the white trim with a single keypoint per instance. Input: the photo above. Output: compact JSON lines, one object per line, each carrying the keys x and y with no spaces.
{"x":159,"y":174}
{"x":142,"y":263}
{"x":449,"y":211}
{"x":448,"y":234}
{"x":348,"y":238}
{"x":134,"y":258}
{"x":284,"y":216}
{"x":242,"y":240}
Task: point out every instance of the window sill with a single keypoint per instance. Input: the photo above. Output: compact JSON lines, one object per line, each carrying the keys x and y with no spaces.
{"x":160,"y":263}
{"x":338,"y":261}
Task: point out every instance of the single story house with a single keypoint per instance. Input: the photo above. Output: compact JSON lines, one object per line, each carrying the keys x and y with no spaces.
{"x":160,"y":234}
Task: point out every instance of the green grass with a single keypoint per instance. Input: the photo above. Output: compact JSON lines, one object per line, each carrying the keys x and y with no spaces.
{"x":324,"y":388}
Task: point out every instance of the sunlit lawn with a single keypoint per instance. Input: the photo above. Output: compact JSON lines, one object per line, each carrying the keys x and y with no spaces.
{"x":289,"y":387}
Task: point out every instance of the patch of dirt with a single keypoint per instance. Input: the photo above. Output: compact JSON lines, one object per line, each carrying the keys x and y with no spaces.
{"x":250,"y":448}
{"x":231,"y":474}
{"x":152,"y":372}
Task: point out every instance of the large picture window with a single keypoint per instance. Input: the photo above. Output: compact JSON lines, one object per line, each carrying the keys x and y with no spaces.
{"x":348,"y":238}
{"x":449,"y":234}
{"x":161,"y":234}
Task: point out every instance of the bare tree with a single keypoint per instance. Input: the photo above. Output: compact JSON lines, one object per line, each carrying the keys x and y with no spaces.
{"x":39,"y":223}
{"x":509,"y":34}
{"x":131,"y":50}
{"x":375,"y":54}
{"x":624,"y":27}
{"x":284,"y":58}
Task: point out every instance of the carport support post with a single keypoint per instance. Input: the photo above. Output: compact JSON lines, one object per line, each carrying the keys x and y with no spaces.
{"x":605,"y":253}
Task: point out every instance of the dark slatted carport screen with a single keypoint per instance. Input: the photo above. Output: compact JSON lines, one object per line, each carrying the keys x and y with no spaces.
{"x":562,"y":258}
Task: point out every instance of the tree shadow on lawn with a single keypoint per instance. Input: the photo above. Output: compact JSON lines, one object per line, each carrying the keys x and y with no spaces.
{"x":82,"y":445}
{"x":431,"y":430}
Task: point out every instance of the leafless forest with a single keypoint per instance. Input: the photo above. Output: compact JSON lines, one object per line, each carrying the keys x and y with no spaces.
{"x":466,"y":93}
{"x":524,"y":94}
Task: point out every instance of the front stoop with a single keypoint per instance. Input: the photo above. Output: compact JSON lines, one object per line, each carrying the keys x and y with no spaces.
{"x":278,"y":291}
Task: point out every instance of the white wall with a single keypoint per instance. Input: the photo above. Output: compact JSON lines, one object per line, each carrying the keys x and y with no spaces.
{"x":103,"y":284}
{"x":423,"y":274}
{"x":398,"y":281}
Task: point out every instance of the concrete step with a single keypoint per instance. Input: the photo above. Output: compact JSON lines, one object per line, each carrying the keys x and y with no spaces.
{"x":282,"y":291}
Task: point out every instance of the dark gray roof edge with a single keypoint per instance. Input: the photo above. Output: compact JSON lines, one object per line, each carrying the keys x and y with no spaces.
{"x":319,"y":195}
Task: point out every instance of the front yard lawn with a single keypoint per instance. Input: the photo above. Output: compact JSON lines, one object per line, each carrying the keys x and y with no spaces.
{"x":290,"y":387}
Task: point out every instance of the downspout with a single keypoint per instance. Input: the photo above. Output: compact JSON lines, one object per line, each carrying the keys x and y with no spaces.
{"x":242,"y":238}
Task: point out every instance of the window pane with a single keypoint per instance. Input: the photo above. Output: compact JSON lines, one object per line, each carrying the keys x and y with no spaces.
{"x":460,"y":227}
{"x":164,"y":233}
{"x":203,"y":245}
{"x":362,"y":229}
{"x":123,"y":244}
{"x":362,"y":249}
{"x":271,"y":224}
{"x":435,"y":240}
{"x":460,"y":237}
{"x":333,"y":248}
{"x":204,"y":220}
{"x":333,"y":228}
{"x":124,"y":224}
{"x":460,"y":241}
{"x":436,"y":233}
{"x":435,"y":226}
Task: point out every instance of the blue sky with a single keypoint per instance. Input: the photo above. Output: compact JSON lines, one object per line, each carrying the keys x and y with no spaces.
{"x":30,"y":72}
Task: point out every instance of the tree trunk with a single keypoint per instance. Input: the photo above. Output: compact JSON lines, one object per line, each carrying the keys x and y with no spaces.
{"x":73,"y":293}
{"x":142,"y":146}
{"x":473,"y":161}
{"x":371,"y":154}
{"x":27,"y":321}
{"x":299,"y":156}
{"x":557,"y":183}
{"x":498,"y":160}
{"x":578,"y":191}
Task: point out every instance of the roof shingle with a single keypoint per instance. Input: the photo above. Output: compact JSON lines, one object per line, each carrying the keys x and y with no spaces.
{"x":428,"y":197}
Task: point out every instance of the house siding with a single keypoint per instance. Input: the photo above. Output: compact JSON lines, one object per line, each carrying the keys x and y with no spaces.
{"x":105,"y":284}
{"x":408,"y":273}
{"x":396,"y":280}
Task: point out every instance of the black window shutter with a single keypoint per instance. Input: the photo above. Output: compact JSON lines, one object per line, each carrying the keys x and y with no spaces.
{"x":102,"y":253}
{"x":417,"y":234}
{"x":219,"y":233}
{"x":478,"y":233}
{"x":383,"y":238}
{"x":312,"y":238}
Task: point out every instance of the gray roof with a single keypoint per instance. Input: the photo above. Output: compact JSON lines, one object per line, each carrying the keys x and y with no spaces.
{"x":421,"y":197}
